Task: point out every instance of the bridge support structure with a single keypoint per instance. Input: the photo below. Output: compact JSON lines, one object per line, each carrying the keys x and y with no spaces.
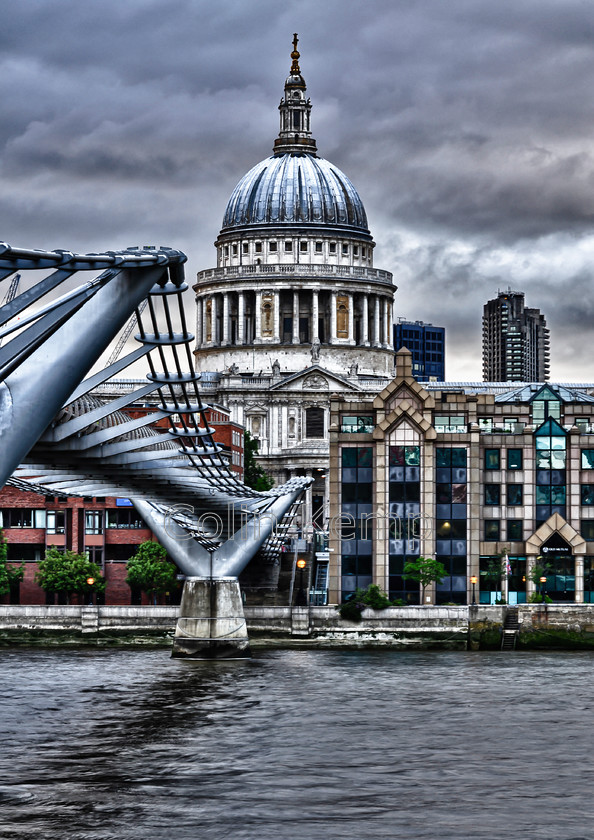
{"x":211,"y":622}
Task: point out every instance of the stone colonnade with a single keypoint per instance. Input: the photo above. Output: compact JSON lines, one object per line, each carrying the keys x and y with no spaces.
{"x":304,"y":316}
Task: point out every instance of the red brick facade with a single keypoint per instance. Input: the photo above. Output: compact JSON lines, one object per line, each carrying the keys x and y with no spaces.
{"x":105,"y":528}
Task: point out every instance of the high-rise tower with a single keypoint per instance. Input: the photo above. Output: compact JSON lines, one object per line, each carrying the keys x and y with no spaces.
{"x":515,"y":341}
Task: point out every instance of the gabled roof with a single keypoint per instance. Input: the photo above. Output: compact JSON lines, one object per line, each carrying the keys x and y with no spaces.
{"x":334,"y":382}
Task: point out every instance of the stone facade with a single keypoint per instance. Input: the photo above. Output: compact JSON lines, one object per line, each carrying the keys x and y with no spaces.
{"x":493,"y":480}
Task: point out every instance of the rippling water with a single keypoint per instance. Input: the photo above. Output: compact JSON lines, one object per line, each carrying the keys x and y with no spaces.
{"x":296,"y":744}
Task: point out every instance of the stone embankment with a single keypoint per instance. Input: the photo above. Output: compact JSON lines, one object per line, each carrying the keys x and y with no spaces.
{"x":564,"y":626}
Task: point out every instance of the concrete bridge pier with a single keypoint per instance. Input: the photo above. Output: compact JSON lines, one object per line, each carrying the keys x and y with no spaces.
{"x":211,"y":622}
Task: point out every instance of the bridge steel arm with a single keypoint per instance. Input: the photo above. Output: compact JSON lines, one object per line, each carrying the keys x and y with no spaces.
{"x":32,"y":394}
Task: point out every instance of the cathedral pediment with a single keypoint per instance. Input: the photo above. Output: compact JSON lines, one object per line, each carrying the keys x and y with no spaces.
{"x":315,"y":378}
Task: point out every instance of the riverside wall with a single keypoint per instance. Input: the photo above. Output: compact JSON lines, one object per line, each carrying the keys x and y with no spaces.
{"x":564,"y":626}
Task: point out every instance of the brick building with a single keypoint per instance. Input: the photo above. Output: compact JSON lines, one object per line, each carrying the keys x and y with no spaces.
{"x":109,"y":530}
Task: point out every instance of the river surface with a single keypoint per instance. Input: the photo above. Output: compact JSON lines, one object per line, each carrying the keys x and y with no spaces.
{"x":292,"y":745}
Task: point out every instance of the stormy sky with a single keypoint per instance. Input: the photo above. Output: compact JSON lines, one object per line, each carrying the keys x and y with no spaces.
{"x":467,"y":127}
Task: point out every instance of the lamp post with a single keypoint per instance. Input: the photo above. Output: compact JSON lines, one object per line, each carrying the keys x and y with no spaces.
{"x":301,"y":600}
{"x":473,"y":580}
{"x":90,"y":583}
{"x":543,"y":580}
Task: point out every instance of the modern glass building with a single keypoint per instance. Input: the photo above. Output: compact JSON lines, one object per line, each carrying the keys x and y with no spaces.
{"x":427,"y":345}
{"x":492,"y":480}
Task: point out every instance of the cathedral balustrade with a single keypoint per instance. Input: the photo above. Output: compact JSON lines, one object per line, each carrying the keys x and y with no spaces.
{"x":305,"y":270}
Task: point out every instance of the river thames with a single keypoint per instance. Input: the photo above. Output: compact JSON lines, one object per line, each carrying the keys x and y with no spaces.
{"x":129,"y":744}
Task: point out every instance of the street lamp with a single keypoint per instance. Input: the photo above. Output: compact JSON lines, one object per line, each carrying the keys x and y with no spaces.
{"x":301,"y":600}
{"x":543,"y":580}
{"x":90,"y":583}
{"x":473,"y":580}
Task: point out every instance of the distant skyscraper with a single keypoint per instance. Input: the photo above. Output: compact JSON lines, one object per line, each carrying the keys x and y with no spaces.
{"x":427,"y":345}
{"x":515,"y":341}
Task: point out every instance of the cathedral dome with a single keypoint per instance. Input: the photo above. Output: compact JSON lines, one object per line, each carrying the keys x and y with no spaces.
{"x":295,"y":189}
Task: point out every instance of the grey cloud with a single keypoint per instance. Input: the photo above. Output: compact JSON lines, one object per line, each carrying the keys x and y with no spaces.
{"x":465,"y":126}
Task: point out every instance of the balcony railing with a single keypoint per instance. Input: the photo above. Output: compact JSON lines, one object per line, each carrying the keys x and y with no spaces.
{"x":305,"y":270}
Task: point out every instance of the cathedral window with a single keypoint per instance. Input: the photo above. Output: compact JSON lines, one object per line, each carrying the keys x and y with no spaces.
{"x":288,"y":245}
{"x":314,"y":422}
{"x":258,"y":247}
{"x":333,"y":247}
{"x":272,"y":247}
{"x":226,"y":250}
{"x":303,"y":246}
{"x":355,"y":250}
{"x":245,"y":248}
{"x":318,"y":247}
{"x":345,"y":250}
{"x":234,"y":250}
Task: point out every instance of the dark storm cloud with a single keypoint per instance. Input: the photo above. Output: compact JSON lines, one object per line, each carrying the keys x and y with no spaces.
{"x":466,"y":126}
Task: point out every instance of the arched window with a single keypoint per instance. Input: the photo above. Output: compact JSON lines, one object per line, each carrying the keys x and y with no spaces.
{"x":314,"y":422}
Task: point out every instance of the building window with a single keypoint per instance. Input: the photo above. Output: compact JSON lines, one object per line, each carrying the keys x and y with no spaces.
{"x":245,"y":248}
{"x":587,"y":491}
{"x":303,"y":246}
{"x":226,"y":250}
{"x":258,"y":247}
{"x":56,"y":522}
{"x":272,"y":247}
{"x":314,"y":422}
{"x":588,"y":459}
{"x":22,"y":518}
{"x":288,"y":244}
{"x":318,"y":247}
{"x":492,"y":459}
{"x":492,"y":494}
{"x":449,"y":423}
{"x":515,"y":530}
{"x":587,"y":529}
{"x":234,"y":250}
{"x":355,"y":250}
{"x":93,"y":522}
{"x":345,"y":250}
{"x":125,"y":519}
{"x":550,"y":443}
{"x":515,"y":494}
{"x":357,"y":495}
{"x":451,"y":518}
{"x":492,"y":530}
{"x":333,"y":247}
{"x":354,"y":424}
{"x":514,"y":459}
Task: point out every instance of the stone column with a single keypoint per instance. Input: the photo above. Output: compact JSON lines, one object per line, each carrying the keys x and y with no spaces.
{"x":205,"y":320}
{"x":351,"y":298}
{"x":216,"y":338}
{"x":295,"y":338}
{"x":258,"y":327}
{"x":199,"y":318}
{"x":579,"y":580}
{"x":240,"y":318}
{"x":365,"y":324}
{"x":225,"y":336}
{"x":376,"y":322}
{"x":314,"y":316}
{"x":386,"y":335}
{"x":333,"y":338}
{"x":277,"y":329}
{"x":390,"y":325}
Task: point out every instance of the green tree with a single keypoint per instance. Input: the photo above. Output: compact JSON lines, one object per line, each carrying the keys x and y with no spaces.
{"x":150,"y":570}
{"x":424,"y":570}
{"x":253,"y":474}
{"x":4,"y":582}
{"x":67,"y":572}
